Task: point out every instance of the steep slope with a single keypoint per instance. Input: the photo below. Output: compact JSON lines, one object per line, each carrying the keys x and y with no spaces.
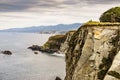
{"x":64,"y":46}
{"x":94,"y":52}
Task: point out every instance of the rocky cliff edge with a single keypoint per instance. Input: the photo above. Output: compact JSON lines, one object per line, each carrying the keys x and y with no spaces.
{"x":94,"y":52}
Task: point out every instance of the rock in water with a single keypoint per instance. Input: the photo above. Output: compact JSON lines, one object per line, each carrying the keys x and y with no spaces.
{"x":34,"y":47}
{"x":35,"y":52}
{"x":41,"y":49}
{"x":7,"y":52}
{"x":57,"y":78}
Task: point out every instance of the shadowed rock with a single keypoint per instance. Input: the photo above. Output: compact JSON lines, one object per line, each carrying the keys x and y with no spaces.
{"x":7,"y":52}
{"x":41,"y":49}
{"x":34,"y":47}
{"x":35,"y":52}
{"x":57,"y":78}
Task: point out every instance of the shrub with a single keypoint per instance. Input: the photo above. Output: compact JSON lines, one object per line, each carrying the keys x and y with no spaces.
{"x":111,"y":15}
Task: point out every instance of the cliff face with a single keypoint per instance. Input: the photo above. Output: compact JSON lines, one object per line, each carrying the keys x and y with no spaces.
{"x":94,"y":53}
{"x":64,"y":46}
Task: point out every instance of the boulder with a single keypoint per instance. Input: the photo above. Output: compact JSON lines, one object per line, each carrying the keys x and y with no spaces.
{"x":7,"y":52}
{"x":34,"y":47}
{"x":57,"y":78}
{"x":35,"y":52}
{"x":41,"y":49}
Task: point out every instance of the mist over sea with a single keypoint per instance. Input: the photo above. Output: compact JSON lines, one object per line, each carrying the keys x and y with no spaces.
{"x":23,"y":64}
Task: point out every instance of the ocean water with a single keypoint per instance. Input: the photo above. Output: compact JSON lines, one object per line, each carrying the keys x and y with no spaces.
{"x":23,"y":64}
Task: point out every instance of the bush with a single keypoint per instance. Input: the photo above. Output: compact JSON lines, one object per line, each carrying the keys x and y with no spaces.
{"x":54,"y":42}
{"x":111,"y":15}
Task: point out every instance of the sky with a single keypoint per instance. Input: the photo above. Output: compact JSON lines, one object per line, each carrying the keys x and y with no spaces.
{"x":26,"y":13}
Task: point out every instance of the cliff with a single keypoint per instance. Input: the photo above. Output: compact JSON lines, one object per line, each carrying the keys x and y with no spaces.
{"x":54,"y":42}
{"x":52,"y":45}
{"x":64,"y":46}
{"x":93,"y":52}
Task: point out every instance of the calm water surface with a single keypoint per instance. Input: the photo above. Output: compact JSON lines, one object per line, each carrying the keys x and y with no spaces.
{"x":23,"y":64}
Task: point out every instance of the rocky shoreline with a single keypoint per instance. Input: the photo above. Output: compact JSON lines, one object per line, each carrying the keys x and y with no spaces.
{"x":57,"y":43}
{"x":41,"y":49}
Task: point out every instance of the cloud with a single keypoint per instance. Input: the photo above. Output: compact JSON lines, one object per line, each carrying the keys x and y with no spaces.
{"x":102,"y":1}
{"x":23,"y":5}
{"x":22,"y":13}
{"x":27,"y":5}
{"x":16,"y":16}
{"x":15,"y":5}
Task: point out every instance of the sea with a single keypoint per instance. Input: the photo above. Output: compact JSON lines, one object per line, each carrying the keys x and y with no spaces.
{"x":23,"y":64}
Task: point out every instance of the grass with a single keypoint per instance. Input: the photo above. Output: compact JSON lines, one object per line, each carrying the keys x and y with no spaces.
{"x":57,"y":37}
{"x":96,"y":23}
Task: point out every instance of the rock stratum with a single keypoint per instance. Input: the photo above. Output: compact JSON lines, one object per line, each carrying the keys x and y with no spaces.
{"x":93,"y":52}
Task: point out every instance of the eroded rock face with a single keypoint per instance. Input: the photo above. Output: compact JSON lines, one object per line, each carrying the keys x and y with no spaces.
{"x":93,"y":52}
{"x":114,"y":71}
{"x":64,"y":46}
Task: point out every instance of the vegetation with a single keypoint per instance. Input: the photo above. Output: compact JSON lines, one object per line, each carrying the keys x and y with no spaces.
{"x":54,"y":42}
{"x":111,"y":15}
{"x":96,"y":23}
{"x":58,"y":38}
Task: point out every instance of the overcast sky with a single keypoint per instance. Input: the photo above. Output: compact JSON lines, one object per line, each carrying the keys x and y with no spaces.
{"x":26,"y":13}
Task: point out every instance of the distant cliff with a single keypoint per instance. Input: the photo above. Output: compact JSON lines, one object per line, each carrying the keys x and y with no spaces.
{"x":93,"y":52}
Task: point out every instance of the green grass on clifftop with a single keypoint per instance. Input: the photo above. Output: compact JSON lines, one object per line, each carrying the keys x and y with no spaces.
{"x":58,"y":38}
{"x":96,"y":23}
